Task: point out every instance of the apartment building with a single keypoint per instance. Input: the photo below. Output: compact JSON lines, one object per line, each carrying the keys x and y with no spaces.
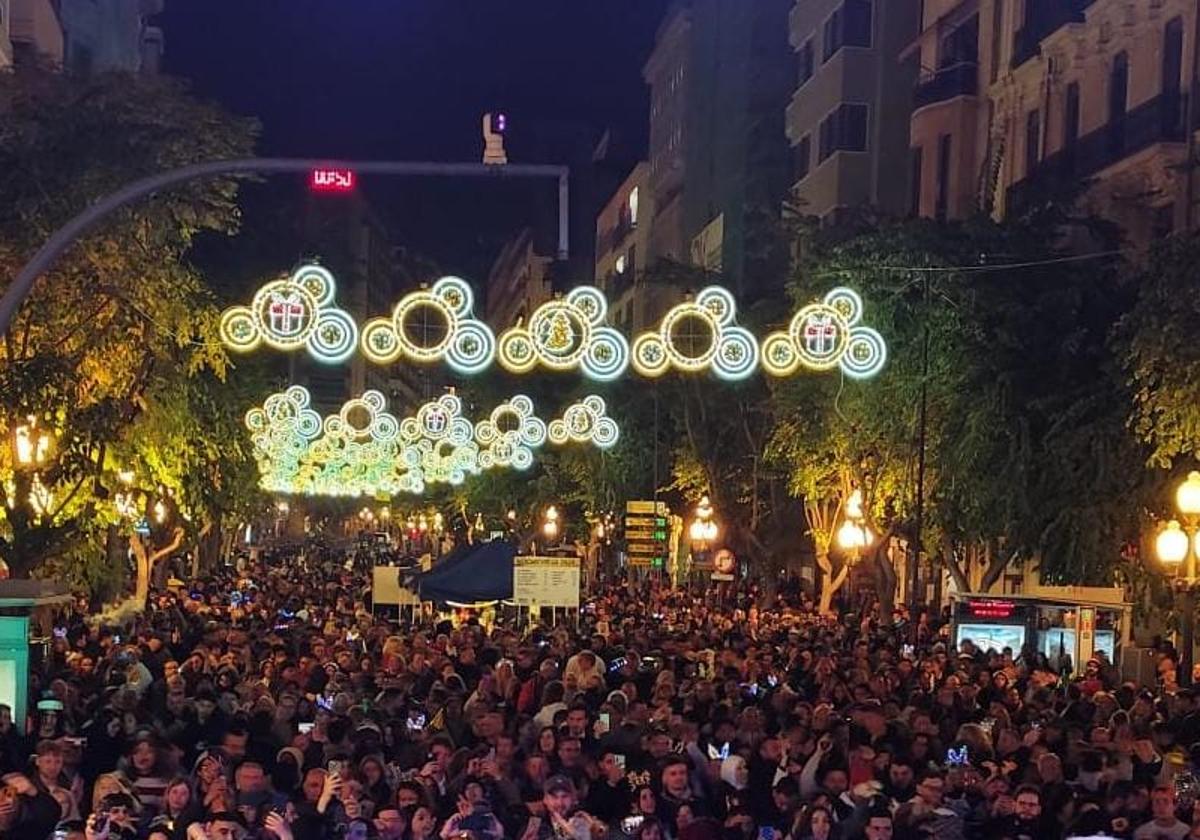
{"x":848,"y":118}
{"x":35,"y":33}
{"x":1027,"y":98}
{"x":521,"y":280}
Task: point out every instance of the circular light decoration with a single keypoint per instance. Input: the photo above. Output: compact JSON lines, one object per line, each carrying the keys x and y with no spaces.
{"x":586,"y":421}
{"x":699,"y":335}
{"x":433,"y":324}
{"x":567,"y":334}
{"x":826,"y":335}
{"x":293,"y":313}
{"x":509,"y":436}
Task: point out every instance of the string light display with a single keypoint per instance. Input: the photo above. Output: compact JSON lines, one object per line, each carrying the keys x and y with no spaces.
{"x":826,"y":335}
{"x":510,"y":435}
{"x":696,"y":336}
{"x":567,"y":334}
{"x":290,"y":314}
{"x":362,"y":450}
{"x":586,"y":421}
{"x":430,"y":325}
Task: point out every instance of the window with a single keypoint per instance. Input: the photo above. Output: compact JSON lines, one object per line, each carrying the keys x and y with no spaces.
{"x":803,"y":157}
{"x":945,"y":146}
{"x":844,"y":130}
{"x":918,"y":162}
{"x":1172,"y":72}
{"x":997,"y":36}
{"x":1033,"y":141}
{"x":806,"y":62}
{"x":632,"y":206}
{"x":1071,"y":117}
{"x":1118,"y":88}
{"x":620,"y":264}
{"x":848,"y":26}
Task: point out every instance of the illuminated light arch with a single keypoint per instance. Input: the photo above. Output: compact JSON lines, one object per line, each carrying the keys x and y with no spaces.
{"x":290,"y":314}
{"x":717,"y":343}
{"x":466,"y":343}
{"x":567,"y":334}
{"x":827,"y":335}
{"x":586,"y":421}
{"x":510,"y":447}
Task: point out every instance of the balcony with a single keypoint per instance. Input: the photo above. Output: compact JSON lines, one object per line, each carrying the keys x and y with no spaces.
{"x":1047,"y":17}
{"x":960,"y":79}
{"x":1160,"y":120}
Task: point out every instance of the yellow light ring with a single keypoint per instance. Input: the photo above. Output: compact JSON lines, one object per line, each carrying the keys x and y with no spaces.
{"x":544,"y":325}
{"x":289,"y":293}
{"x":679,"y":313}
{"x":516,"y":351}
{"x":238,"y":330}
{"x":649,"y":355}
{"x":379,"y":341}
{"x":410,"y":302}
{"x":820,"y":336}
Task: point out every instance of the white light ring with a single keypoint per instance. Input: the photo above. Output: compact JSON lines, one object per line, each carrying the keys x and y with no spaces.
{"x":335,"y":337}
{"x":374,"y":401}
{"x":309,"y":424}
{"x":522,"y":458}
{"x":521,"y":405}
{"x":606,"y":340}
{"x":317,"y":281}
{"x":334,"y":426}
{"x":797,"y":328}
{"x":545,"y":314}
{"x":590,"y":302}
{"x":386,"y":428}
{"x":256,"y":420}
{"x":595,"y":404}
{"x":238,"y":329}
{"x":866,"y":355}
{"x":298,"y":395}
{"x":516,"y":351}
{"x":486,"y":461}
{"x":719,"y":303}
{"x":455,"y":294}
{"x":533,"y":432}
{"x":557,"y":432}
{"x":847,"y":302}
{"x":465,"y":360}
{"x":779,"y":355}
{"x":262,"y":302}
{"x":658,"y":363}
{"x":736,"y":339}
{"x":415,"y":300}
{"x":461,"y":431}
{"x":607,"y":433}
{"x":486,"y":432}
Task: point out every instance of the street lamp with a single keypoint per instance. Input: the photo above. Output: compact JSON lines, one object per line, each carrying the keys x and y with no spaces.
{"x":31,"y":445}
{"x":854,"y":536}
{"x":1178,"y":547}
{"x":550,"y":524}
{"x":703,"y":531}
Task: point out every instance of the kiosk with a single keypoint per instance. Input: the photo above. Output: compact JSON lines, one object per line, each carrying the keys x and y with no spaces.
{"x":26,"y":615}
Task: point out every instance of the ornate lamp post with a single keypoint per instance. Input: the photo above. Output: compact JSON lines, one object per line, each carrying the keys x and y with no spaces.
{"x":703,"y":531}
{"x":550,"y":525}
{"x":1177,"y":550}
{"x":854,"y":536}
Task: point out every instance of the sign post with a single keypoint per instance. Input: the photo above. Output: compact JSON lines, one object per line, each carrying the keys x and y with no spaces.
{"x":647,"y":534}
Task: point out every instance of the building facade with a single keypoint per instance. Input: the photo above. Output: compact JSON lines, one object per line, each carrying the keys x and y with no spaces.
{"x":35,"y":34}
{"x":107,"y":35}
{"x":719,"y":77}
{"x":1026,"y":99}
{"x":623,"y":233}
{"x":848,"y":118}
{"x":520,"y":281}
{"x":6,"y":58}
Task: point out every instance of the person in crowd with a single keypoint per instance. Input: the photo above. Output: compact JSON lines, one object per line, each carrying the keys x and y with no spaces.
{"x":270,"y":703}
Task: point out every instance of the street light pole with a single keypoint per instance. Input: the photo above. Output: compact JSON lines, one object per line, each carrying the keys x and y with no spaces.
{"x":1177,"y":549}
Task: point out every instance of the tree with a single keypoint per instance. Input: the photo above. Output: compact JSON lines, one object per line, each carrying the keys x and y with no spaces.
{"x":122,"y":308}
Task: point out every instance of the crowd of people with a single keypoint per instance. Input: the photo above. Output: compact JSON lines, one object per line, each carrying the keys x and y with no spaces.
{"x":272,"y":703}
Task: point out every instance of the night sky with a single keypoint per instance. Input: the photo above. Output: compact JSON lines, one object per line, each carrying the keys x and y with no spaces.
{"x":410,"y":79}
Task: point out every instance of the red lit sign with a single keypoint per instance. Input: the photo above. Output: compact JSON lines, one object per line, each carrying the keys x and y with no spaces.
{"x":991,"y":609}
{"x":332,"y":180}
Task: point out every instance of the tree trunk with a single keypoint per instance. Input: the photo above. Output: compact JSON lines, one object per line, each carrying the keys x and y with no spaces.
{"x":145,"y":560}
{"x":208,"y":554}
{"x":885,"y":581}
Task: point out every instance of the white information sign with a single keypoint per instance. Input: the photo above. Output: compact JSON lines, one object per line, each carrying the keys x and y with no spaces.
{"x":546,"y":581}
{"x":387,"y":591}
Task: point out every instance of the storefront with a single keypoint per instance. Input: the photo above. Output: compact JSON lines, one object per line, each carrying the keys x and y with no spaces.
{"x":1057,"y":627}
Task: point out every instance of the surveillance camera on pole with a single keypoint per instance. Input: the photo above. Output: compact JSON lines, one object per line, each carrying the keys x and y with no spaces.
{"x":494,"y":126}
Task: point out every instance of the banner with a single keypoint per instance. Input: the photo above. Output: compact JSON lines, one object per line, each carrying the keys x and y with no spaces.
{"x":546,"y":581}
